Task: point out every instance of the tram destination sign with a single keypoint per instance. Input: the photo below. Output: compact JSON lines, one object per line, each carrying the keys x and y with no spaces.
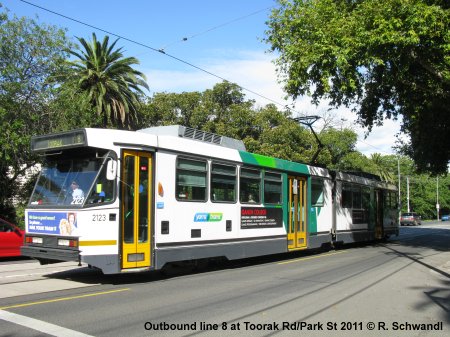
{"x":59,"y":141}
{"x":261,"y":217}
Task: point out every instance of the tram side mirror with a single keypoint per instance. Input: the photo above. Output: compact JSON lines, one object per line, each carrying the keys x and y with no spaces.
{"x":111,"y":170}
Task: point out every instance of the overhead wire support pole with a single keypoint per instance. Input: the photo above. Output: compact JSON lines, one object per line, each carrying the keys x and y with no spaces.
{"x":407,"y":193}
{"x":309,"y":121}
{"x":399,"y":190}
{"x":437,"y":197}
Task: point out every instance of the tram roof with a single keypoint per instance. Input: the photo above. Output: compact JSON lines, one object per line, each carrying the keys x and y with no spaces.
{"x":182,"y":140}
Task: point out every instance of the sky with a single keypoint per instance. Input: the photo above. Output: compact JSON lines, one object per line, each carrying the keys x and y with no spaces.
{"x":224,"y":38}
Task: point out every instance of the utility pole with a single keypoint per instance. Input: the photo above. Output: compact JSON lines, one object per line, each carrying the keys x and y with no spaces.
{"x":437,"y":197}
{"x":399,"y":194}
{"x":407,"y":192}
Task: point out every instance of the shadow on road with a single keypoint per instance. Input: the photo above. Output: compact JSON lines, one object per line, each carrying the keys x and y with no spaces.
{"x":419,"y":237}
{"x":172,"y":270}
{"x":424,"y":237}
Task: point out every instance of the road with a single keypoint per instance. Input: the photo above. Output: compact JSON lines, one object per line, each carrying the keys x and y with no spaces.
{"x":388,"y":288}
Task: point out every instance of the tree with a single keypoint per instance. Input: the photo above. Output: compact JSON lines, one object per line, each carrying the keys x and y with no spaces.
{"x":72,"y":109}
{"x":381,"y":169}
{"x":267,"y":130}
{"x":173,"y":108}
{"x":221,"y":110}
{"x":384,"y":58}
{"x":110,"y":82}
{"x":337,"y":145}
{"x":29,"y":55}
{"x":279,"y":136}
{"x":228,"y":112}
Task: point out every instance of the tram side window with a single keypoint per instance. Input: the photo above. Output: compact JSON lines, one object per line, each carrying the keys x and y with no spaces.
{"x":223,"y":183}
{"x":390,"y":200}
{"x":191,"y":180}
{"x":366,"y":198}
{"x":317,"y":198}
{"x":357,"y":198}
{"x":394,"y":200}
{"x":250,"y":186}
{"x":347,"y":200}
{"x":272,"y":188}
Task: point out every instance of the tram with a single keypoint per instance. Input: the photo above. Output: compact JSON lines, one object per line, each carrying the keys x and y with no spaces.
{"x":130,"y":201}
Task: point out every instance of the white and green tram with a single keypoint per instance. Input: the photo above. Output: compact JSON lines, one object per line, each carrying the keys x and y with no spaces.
{"x":136,"y":200}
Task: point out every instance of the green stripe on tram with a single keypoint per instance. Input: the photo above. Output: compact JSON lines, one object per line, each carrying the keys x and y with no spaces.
{"x":285,"y":165}
{"x":270,"y":162}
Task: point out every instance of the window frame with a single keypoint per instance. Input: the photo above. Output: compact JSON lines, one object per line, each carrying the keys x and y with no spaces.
{"x":178,"y":169}
{"x":272,"y":179}
{"x":211,"y":184}
{"x":347,"y":196}
{"x":241,"y":176}
{"x":316,"y":181}
{"x":357,"y":197}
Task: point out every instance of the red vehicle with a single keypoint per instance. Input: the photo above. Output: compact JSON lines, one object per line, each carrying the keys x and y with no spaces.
{"x":11,"y":239}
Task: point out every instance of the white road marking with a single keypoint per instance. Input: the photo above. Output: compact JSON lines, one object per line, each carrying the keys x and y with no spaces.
{"x":35,"y":324}
{"x":33,"y":274}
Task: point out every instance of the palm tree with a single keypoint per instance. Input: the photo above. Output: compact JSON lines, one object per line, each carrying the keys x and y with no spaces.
{"x":111,"y":84}
{"x":380,"y":168}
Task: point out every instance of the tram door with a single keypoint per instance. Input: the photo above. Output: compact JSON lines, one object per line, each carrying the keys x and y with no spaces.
{"x":136,"y":209}
{"x":297,"y":213}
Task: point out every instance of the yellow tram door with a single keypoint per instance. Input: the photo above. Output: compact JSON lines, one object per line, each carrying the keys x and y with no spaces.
{"x":136,"y":209}
{"x":297,"y":213}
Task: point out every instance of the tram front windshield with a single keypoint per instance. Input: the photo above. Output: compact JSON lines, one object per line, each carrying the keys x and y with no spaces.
{"x":73,"y":179}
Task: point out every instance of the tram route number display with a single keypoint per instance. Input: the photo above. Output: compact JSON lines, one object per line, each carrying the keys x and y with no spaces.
{"x":257,"y":217}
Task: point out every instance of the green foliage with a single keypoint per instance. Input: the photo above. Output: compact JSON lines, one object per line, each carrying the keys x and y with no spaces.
{"x":354,"y":161}
{"x":337,"y":145}
{"x":281,"y":137}
{"x":386,"y":58}
{"x":71,"y":109}
{"x":170,"y":108}
{"x":271,"y":132}
{"x":381,"y":167}
{"x":422,"y":188}
{"x":37,"y":98}
{"x":227,"y":110}
{"x":224,"y":110}
{"x":30,"y":54}
{"x":111,"y":84}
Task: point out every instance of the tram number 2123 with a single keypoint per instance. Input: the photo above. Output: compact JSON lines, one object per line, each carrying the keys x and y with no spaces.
{"x":98,"y":217}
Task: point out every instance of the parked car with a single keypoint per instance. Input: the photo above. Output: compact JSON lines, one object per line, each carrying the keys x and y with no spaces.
{"x":410,"y":218}
{"x":11,"y":239}
{"x":445,"y":217}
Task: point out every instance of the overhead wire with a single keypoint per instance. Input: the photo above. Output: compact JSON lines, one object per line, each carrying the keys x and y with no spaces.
{"x":153,"y":49}
{"x":376,"y":148}
{"x":161,"y":51}
{"x":184,"y":39}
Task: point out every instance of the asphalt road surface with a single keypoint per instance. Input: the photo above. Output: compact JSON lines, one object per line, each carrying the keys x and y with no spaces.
{"x":400,"y":287}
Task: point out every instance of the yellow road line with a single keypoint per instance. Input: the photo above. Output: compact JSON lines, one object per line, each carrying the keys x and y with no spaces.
{"x":311,"y":257}
{"x":98,"y":243}
{"x":63,"y":299}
